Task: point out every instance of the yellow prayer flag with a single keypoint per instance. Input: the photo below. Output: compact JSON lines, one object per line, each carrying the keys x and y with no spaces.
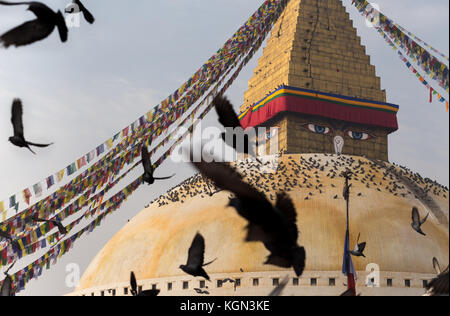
{"x":2,"y":206}
{"x":109,"y":143}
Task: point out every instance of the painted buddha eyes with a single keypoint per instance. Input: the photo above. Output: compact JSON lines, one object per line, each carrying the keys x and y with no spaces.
{"x":325,"y":130}
{"x":358,"y":135}
{"x":318,"y":129}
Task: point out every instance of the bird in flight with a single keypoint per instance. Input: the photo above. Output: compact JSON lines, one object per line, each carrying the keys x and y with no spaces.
{"x":436,"y":266}
{"x":229,"y":119}
{"x":7,"y":284}
{"x":274,"y":226}
{"x":35,"y":30}
{"x":148,"y":167}
{"x":134,"y":289}
{"x":16,"y":119}
{"x":194,"y":265}
{"x":359,"y":248}
{"x":439,"y":285}
{"x":200,"y":291}
{"x":417,"y":222}
{"x":62,"y":230}
{"x":76,"y":7}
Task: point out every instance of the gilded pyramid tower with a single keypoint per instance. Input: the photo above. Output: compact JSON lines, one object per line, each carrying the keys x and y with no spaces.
{"x":315,"y":82}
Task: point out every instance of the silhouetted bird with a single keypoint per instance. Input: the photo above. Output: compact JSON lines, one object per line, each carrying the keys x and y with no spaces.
{"x":87,"y":15}
{"x":276,"y":227}
{"x":62,"y":230}
{"x":134,"y":289}
{"x":194,"y":265}
{"x":35,"y":30}
{"x":148,"y":167}
{"x":439,"y":285}
{"x":200,"y":291}
{"x":436,"y":266}
{"x":16,"y":119}
{"x":359,"y":249}
{"x":416,"y":222}
{"x":7,"y":288}
{"x":228,"y":118}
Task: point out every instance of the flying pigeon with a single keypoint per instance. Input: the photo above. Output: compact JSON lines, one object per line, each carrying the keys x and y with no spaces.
{"x":416,"y":222}
{"x":134,"y":288}
{"x":77,"y":4}
{"x":194,"y":265}
{"x":436,"y":266}
{"x":274,"y":226}
{"x":7,"y":284}
{"x":359,"y":249}
{"x":148,"y":167}
{"x":62,"y":230}
{"x":439,"y":285}
{"x":35,"y":30}
{"x":16,"y":119}
{"x":200,"y":291}
{"x":228,"y":118}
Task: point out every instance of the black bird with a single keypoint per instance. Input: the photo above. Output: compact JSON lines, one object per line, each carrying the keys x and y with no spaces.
{"x":439,"y":285}
{"x":274,"y":226}
{"x":7,"y":284}
{"x":194,"y":265}
{"x":16,"y":119}
{"x":35,"y":30}
{"x":62,"y":230}
{"x":436,"y":266}
{"x":417,"y":222}
{"x":228,"y":118}
{"x":148,"y":167}
{"x":280,"y":287}
{"x":77,"y":4}
{"x":134,"y":289}
{"x":359,"y":249}
{"x":200,"y":291}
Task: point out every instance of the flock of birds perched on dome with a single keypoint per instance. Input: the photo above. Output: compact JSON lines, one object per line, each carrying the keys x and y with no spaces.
{"x":273,"y":225}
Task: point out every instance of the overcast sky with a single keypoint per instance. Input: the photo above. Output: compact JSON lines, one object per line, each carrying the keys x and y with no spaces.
{"x":81,"y":93}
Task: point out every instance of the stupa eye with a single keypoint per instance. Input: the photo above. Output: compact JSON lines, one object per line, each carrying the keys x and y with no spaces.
{"x":358,"y":135}
{"x":318,"y":129}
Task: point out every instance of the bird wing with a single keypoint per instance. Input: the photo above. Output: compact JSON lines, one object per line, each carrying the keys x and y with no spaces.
{"x":62,"y":27}
{"x":27,"y":33}
{"x":133,"y":283}
{"x":424,"y":219}
{"x":436,"y":266}
{"x":6,"y":287}
{"x":440,"y":285}
{"x":146,"y":161}
{"x":226,"y":113}
{"x":87,"y":15}
{"x":149,"y":293}
{"x":196,"y":252}
{"x":16,"y":118}
{"x":361,"y":247}
{"x":415,"y":216}
{"x":287,"y":208}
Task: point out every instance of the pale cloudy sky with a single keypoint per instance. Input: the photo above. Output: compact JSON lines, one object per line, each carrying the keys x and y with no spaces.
{"x":81,"y":93}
